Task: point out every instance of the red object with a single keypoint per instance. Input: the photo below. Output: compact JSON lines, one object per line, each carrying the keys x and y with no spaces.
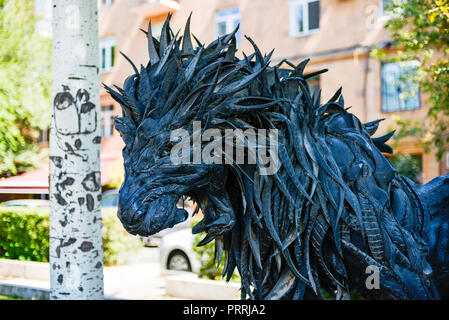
{"x":36,"y":181}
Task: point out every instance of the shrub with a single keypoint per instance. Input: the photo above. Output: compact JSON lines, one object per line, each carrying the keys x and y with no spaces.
{"x":117,"y":242}
{"x":24,"y":235}
{"x":408,"y":166}
{"x":206,"y":254}
{"x":116,"y":173}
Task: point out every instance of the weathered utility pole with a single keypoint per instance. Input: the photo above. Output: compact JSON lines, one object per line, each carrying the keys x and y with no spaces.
{"x":76,"y":253}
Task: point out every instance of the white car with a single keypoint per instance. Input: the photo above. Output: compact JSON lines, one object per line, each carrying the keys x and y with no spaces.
{"x":156,"y":239}
{"x":176,"y":253}
{"x":108,"y":199}
{"x":31,"y":203}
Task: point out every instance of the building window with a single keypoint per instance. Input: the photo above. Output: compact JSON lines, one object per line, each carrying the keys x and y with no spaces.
{"x":226,"y":21}
{"x":107,"y":54}
{"x":304,"y":17}
{"x":107,"y":2}
{"x":107,"y":121}
{"x":43,"y":136}
{"x":384,"y":7}
{"x":399,"y":90}
{"x":389,"y":10}
{"x":43,"y":10}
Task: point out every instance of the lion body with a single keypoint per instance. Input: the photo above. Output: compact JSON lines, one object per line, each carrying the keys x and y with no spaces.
{"x":334,"y":208}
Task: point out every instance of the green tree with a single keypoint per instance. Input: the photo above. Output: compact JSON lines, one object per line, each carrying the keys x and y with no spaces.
{"x":208,"y":258}
{"x":420,"y":29}
{"x":408,"y":166}
{"x":25,"y":86}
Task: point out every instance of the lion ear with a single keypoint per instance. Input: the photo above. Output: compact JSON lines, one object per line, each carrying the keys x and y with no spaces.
{"x":380,"y":142}
{"x":371,"y":127}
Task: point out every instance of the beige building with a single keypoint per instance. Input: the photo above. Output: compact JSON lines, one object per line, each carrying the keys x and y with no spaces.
{"x":335,"y":34}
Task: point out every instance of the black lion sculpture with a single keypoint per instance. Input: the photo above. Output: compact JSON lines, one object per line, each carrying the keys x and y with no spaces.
{"x":334,"y":209}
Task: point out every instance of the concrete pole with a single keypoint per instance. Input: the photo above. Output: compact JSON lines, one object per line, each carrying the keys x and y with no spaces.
{"x":76,"y":251}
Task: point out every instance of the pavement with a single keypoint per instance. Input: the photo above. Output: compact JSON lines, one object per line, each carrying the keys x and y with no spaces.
{"x":139,"y":279}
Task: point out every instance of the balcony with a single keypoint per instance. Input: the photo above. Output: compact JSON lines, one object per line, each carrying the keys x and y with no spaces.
{"x":153,"y":8}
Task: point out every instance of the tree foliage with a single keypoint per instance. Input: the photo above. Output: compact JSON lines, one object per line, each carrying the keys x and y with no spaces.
{"x":25,"y":86}
{"x":207,"y":256}
{"x":408,"y":166}
{"x":420,"y":29}
{"x":116,"y":173}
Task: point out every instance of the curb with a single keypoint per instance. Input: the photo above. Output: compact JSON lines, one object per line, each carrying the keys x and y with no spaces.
{"x":25,"y":269}
{"x":25,"y":292}
{"x":191,"y":287}
{"x":31,"y":292}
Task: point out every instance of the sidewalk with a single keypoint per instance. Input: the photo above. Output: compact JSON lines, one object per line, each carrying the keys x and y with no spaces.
{"x":139,"y":280}
{"x":135,"y":282}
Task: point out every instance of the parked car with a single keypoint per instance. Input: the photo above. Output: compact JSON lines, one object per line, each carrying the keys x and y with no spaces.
{"x":176,"y":253}
{"x":109,"y":198}
{"x":155,"y":240}
{"x":31,"y":203}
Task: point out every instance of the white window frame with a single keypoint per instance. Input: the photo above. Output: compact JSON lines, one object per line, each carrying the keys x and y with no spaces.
{"x":107,"y":123}
{"x":107,"y":44}
{"x":384,"y":15}
{"x":43,"y":10}
{"x":305,"y":7}
{"x":229,"y":19}
{"x":107,"y":2}
{"x":381,"y":9}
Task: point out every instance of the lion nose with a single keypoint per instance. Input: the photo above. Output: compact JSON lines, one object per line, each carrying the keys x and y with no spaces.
{"x":150,"y":218}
